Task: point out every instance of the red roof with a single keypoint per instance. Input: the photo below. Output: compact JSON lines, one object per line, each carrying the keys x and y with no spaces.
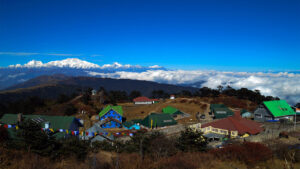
{"x":142,"y":99}
{"x":236,"y":123}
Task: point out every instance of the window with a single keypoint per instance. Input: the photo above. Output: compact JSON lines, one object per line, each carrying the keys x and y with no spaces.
{"x":221,"y":112}
{"x":258,"y":116}
{"x":215,"y":130}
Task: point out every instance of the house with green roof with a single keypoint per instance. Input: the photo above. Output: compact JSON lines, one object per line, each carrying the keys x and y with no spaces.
{"x":273,"y":111}
{"x":220,"y":111}
{"x":172,"y":111}
{"x":111,"y":117}
{"x":154,"y":120}
{"x":54,"y":122}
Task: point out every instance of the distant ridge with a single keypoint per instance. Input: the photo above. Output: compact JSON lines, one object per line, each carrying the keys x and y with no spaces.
{"x":53,"y":86}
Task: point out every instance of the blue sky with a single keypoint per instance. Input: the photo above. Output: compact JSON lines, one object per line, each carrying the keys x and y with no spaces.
{"x":241,"y":35}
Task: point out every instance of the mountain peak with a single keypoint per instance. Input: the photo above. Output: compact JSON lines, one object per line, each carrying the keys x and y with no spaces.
{"x":76,"y":63}
{"x":72,"y":63}
{"x":66,"y":63}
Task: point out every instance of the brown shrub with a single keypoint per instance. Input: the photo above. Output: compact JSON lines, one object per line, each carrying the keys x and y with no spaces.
{"x":248,"y":152}
{"x":204,"y":106}
{"x":183,"y":101}
{"x":3,"y":134}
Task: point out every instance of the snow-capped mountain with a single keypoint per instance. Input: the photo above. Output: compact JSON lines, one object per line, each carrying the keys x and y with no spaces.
{"x":14,"y":74}
{"x":79,"y":64}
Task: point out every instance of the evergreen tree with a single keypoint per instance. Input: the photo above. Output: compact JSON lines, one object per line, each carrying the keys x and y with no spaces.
{"x":190,"y":140}
{"x":34,"y":139}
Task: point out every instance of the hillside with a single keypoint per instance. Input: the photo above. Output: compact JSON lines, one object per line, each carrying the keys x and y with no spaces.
{"x":187,"y":105}
{"x":53,"y":86}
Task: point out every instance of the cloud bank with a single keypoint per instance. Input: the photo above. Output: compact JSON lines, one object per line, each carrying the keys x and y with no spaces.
{"x":284,"y":85}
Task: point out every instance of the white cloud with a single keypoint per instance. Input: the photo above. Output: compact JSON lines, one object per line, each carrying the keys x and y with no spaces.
{"x":284,"y":85}
{"x":18,"y":53}
{"x":15,"y":75}
{"x":155,"y":66}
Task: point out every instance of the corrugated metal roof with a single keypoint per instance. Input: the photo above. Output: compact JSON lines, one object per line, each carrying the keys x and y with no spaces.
{"x":118,"y":109}
{"x":171,"y":110}
{"x":56,"y":122}
{"x":236,"y":123}
{"x":279,"y":108}
{"x":158,"y":120}
{"x":142,"y":99}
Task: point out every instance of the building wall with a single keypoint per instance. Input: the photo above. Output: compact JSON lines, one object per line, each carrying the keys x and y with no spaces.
{"x":262,"y":114}
{"x":112,"y":124}
{"x":143,"y":102}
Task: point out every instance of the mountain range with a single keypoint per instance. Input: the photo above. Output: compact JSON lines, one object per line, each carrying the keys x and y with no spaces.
{"x":55,"y":85}
{"x":18,"y":73}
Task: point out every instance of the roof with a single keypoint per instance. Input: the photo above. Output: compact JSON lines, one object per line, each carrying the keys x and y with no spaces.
{"x":56,"y":122}
{"x":215,"y":108}
{"x":243,"y":111}
{"x":142,"y":99}
{"x":279,"y":108}
{"x":236,"y":123}
{"x":96,"y":128}
{"x":158,"y":120}
{"x":171,"y":110}
{"x":212,"y":106}
{"x":117,"y":109}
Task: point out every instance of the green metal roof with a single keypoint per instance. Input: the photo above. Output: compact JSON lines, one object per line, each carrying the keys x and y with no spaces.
{"x":118,"y":109}
{"x":171,"y":110}
{"x":215,"y":108}
{"x":56,"y":122}
{"x":279,"y":108}
{"x":158,"y":120}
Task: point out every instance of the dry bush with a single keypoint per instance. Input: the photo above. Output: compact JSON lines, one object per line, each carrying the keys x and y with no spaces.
{"x":183,"y":101}
{"x":132,"y":161}
{"x":204,"y":106}
{"x":248,"y":152}
{"x":22,"y":160}
{"x":187,"y":161}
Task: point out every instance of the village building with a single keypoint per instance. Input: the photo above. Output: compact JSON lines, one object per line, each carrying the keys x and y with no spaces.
{"x":155,"y":120}
{"x":55,"y":123}
{"x":94,"y":92}
{"x":144,"y":100}
{"x":220,"y":111}
{"x":172,"y":111}
{"x":172,"y":96}
{"x":233,"y":126}
{"x":111,"y":117}
{"x":274,"y":110}
{"x":246,"y":114}
{"x":102,"y":134}
{"x":132,"y":125}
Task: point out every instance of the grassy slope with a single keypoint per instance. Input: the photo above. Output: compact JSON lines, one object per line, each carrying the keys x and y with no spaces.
{"x":187,"y":105}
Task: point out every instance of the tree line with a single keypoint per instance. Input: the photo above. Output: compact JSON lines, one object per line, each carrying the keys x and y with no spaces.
{"x":31,"y":104}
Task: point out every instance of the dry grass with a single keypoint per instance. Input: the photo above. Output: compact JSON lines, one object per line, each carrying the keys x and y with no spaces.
{"x":13,"y":159}
{"x":190,"y":106}
{"x":187,"y":105}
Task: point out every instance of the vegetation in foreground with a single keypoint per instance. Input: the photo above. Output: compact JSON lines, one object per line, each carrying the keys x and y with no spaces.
{"x":36,"y":149}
